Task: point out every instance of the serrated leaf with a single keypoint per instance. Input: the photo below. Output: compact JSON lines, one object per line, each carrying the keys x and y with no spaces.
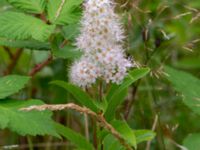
{"x":74,"y":137}
{"x":71,"y":31}
{"x":188,"y":85}
{"x":125,"y":131}
{"x":12,"y":84}
{"x":144,"y":135}
{"x":25,"y":123}
{"x":118,"y":92}
{"x":29,"y":44}
{"x":15,"y":25}
{"x":81,"y":96}
{"x":66,"y":52}
{"x":64,"y":11}
{"x":30,"y":6}
{"x":192,"y":142}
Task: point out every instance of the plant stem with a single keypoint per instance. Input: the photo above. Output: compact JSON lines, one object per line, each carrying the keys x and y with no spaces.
{"x":101,"y":91}
{"x":7,"y":49}
{"x":101,"y":99}
{"x":95,"y":142}
{"x":159,"y":125}
{"x":130,"y":103}
{"x":30,"y":143}
{"x":148,"y":146}
{"x":86,"y":126}
{"x":13,"y":63}
{"x":39,"y":67}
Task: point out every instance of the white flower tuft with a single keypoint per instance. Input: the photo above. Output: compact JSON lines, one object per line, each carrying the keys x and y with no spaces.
{"x":101,"y":41}
{"x":84,"y":72}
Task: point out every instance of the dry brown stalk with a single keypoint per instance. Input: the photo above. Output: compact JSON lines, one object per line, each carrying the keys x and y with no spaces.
{"x":99,"y":117}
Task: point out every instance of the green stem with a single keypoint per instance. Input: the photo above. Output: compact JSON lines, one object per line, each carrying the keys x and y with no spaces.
{"x":101,"y":99}
{"x":30,"y":143}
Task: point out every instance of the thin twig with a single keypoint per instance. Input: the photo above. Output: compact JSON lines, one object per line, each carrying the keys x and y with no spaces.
{"x":39,"y":67}
{"x":8,"y":51}
{"x":99,"y":117}
{"x":13,"y":63}
{"x":153,"y":129}
{"x":86,"y":126}
{"x":195,"y":18}
{"x":182,"y":15}
{"x":95,"y":142}
{"x":130,"y":103}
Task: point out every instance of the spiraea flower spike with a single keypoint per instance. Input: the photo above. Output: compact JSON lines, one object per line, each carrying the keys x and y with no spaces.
{"x":101,"y":40}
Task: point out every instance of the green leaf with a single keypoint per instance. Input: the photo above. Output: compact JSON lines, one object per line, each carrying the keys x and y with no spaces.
{"x":71,"y":31}
{"x":144,"y":135}
{"x":81,"y":96}
{"x":102,"y":105}
{"x":15,"y":25}
{"x":125,"y":131}
{"x":118,"y":92}
{"x":188,"y":85}
{"x":12,"y":84}
{"x":113,"y":103}
{"x":67,"y":52}
{"x":64,"y":11}
{"x":111,"y":143}
{"x":192,"y":142}
{"x":189,"y":63}
{"x":29,"y":44}
{"x":30,"y":6}
{"x":74,"y":137}
{"x":25,"y":123}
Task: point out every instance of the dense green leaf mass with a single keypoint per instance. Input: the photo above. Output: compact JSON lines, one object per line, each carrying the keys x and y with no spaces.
{"x":26,"y":123}
{"x":188,"y":85}
{"x":31,"y":6}
{"x":12,"y":84}
{"x":15,"y":25}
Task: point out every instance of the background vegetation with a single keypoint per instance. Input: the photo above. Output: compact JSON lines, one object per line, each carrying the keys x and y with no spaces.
{"x":37,"y":42}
